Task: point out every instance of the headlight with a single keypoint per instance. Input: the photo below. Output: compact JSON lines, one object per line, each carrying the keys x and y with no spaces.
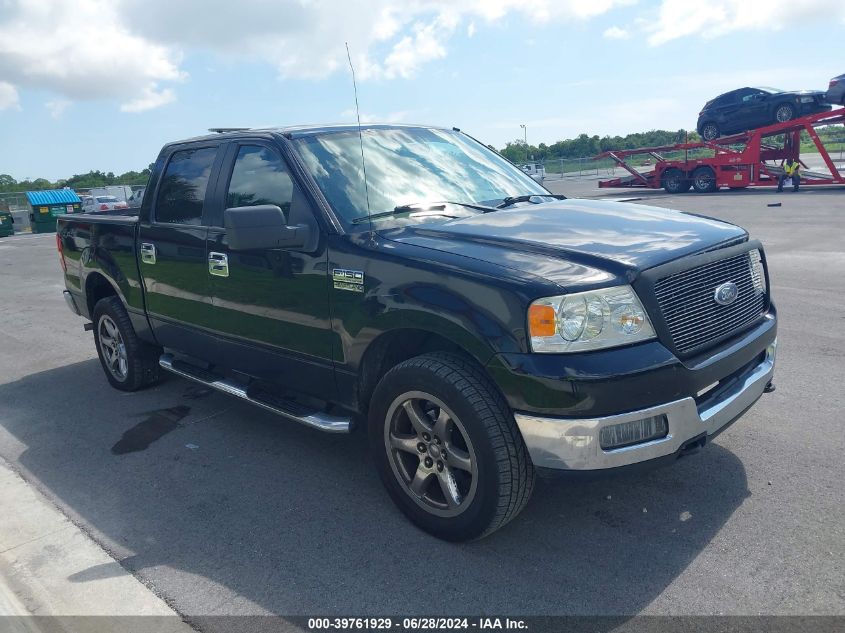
{"x":588,"y":320}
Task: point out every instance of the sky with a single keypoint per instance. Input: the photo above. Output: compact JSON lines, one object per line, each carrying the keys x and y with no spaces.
{"x":103,"y":84}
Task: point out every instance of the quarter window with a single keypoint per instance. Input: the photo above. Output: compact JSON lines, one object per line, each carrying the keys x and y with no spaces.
{"x":259,"y":177}
{"x":182,"y":190}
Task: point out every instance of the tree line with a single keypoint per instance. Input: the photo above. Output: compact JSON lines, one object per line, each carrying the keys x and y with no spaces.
{"x":77,"y":181}
{"x":585,"y":145}
{"x":516,"y":151}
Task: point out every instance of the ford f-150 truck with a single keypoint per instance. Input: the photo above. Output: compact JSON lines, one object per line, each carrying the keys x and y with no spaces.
{"x":410,"y":278}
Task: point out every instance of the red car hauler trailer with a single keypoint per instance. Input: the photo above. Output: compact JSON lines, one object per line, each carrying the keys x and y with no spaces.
{"x":750,"y":159}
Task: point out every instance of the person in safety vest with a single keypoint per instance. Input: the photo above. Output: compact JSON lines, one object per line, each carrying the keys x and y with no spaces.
{"x":791,"y":169}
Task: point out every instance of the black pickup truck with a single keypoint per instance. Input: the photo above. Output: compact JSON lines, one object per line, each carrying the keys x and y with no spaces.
{"x":411,"y":278}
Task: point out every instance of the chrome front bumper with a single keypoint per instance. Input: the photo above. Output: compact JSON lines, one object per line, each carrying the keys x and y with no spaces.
{"x":573,"y":444}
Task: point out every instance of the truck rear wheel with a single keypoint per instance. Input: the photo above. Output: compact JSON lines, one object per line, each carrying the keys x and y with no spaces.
{"x":447,"y":447}
{"x":128,"y":362}
{"x":704,"y":180}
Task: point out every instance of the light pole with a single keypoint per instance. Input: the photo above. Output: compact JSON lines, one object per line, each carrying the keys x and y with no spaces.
{"x":524,"y":133}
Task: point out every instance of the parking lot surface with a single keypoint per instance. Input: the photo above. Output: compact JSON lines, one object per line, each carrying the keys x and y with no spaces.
{"x":222,"y":508}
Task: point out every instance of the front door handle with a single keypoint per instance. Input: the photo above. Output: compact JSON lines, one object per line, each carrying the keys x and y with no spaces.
{"x":148,"y":253}
{"x":218,"y":264}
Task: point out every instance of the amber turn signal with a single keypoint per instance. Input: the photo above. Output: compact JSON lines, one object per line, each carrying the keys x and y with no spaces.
{"x":541,"y":320}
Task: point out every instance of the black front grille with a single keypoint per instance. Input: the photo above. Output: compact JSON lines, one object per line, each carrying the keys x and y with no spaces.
{"x":687,"y":301}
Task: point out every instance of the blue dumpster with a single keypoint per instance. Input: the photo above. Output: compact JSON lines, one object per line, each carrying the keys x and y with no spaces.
{"x":46,"y":205}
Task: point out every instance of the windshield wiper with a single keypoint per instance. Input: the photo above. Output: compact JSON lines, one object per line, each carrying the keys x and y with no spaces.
{"x":527,"y":198}
{"x":422,"y":206}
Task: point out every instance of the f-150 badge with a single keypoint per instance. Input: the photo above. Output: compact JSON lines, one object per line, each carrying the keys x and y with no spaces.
{"x":351,"y":280}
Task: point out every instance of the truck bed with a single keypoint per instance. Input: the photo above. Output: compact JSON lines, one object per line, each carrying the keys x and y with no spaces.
{"x":100,"y":248}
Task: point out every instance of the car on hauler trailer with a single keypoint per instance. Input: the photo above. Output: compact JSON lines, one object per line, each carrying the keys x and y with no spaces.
{"x":750,"y":108}
{"x":483,"y":328}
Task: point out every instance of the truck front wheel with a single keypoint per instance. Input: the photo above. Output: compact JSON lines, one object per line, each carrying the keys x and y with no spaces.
{"x":675,"y":181}
{"x":447,"y":447}
{"x":710,"y":131}
{"x":128,"y":362}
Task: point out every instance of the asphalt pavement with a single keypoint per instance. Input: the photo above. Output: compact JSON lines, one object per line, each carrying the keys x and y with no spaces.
{"x":221,"y":508}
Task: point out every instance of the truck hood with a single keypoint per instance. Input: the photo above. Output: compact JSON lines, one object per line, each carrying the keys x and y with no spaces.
{"x":568,"y":240}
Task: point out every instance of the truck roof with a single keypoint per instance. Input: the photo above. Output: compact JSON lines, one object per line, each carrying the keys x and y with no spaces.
{"x":298,"y":131}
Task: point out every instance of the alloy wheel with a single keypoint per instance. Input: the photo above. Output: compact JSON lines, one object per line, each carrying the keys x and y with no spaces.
{"x":113,"y":348}
{"x":431,"y":454}
{"x":784,"y":113}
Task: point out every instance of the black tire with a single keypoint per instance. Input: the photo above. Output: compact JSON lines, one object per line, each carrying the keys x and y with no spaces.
{"x":504,"y":474}
{"x":784,"y":112}
{"x":137,"y":364}
{"x":704,"y":180}
{"x":710,"y":131}
{"x":675,"y":181}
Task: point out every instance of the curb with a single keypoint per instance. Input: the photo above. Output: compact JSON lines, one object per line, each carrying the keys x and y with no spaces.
{"x":51,"y":569}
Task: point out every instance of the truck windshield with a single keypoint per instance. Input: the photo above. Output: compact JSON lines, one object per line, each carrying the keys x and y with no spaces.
{"x":408,"y":166}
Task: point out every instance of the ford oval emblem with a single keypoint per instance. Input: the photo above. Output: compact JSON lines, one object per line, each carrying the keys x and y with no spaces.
{"x":726,"y":294}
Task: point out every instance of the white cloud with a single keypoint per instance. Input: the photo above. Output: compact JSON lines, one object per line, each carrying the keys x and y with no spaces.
{"x":151,"y":97}
{"x":131,"y":51}
{"x":680,"y":18}
{"x":391,"y":117}
{"x":304,"y":40}
{"x":616,"y":33}
{"x":57,"y":107}
{"x":8,"y":96}
{"x":426,"y":44}
{"x":80,"y":49}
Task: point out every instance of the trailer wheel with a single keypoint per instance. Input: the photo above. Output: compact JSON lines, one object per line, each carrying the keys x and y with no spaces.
{"x":710,"y":131}
{"x":704,"y":180}
{"x":785,"y":112}
{"x":675,"y":181}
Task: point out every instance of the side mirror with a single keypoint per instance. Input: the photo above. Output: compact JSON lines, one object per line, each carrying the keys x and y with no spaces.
{"x":262,"y":226}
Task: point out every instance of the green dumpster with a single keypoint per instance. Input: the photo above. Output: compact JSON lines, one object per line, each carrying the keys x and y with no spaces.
{"x":46,"y":206}
{"x":7,"y":224}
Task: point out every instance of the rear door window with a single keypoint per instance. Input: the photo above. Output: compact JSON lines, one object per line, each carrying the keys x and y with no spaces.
{"x":182,"y":190}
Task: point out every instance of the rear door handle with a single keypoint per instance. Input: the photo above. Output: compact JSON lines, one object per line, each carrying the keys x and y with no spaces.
{"x":218,"y":264}
{"x":148,"y":253}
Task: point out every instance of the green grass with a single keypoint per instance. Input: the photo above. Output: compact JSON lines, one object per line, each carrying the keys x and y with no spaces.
{"x":832,"y":148}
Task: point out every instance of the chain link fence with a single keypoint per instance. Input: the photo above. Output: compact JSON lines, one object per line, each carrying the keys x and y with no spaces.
{"x":560,"y":168}
{"x":17,"y":203}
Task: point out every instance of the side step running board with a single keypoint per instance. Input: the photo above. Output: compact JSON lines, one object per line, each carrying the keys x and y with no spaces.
{"x":287,"y":409}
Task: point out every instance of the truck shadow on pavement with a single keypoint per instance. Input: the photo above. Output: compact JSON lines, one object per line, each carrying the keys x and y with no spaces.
{"x":234,"y":511}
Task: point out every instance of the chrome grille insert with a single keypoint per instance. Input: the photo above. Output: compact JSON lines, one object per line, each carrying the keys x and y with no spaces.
{"x":690,"y":311}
